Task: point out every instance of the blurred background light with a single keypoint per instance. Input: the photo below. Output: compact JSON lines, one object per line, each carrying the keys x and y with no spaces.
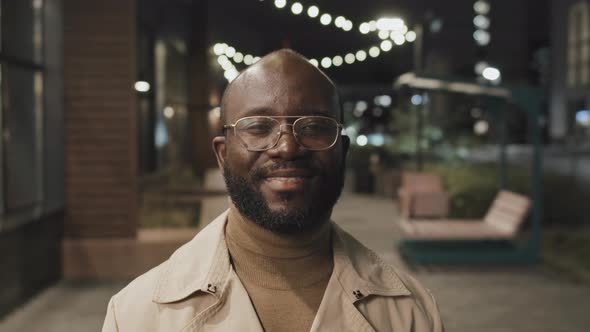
{"x":410,"y":36}
{"x":296,"y":8}
{"x":416,"y":100}
{"x":280,"y":3}
{"x":481,"y":127}
{"x":386,"y":46}
{"x":349,"y":58}
{"x":337,"y":61}
{"x":313,"y":11}
{"x":361,"y":55}
{"x":491,"y":74}
{"x":142,"y":86}
{"x":374,"y":51}
{"x":583,"y":118}
{"x":482,"y":37}
{"x":481,"y":7}
{"x":326,"y":62}
{"x":325,"y":19}
{"x":362,"y":140}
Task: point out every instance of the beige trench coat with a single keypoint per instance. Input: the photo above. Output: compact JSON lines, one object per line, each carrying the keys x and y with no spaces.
{"x":197,"y":289}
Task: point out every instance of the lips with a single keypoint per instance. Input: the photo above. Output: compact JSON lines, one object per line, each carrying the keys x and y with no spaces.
{"x":288,"y":179}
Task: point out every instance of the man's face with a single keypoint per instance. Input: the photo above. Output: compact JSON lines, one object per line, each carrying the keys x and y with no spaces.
{"x":287,"y":188}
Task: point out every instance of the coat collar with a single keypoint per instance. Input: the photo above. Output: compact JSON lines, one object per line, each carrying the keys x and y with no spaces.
{"x":203,"y":264}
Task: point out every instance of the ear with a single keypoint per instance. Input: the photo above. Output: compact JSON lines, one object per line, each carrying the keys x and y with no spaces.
{"x":219,"y":150}
{"x":345,"y":146}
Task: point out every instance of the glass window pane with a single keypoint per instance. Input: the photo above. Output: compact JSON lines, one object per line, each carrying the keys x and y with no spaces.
{"x":22,"y":103}
{"x":22,"y":33}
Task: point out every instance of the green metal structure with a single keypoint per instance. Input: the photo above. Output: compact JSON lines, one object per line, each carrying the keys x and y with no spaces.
{"x":526,"y":99}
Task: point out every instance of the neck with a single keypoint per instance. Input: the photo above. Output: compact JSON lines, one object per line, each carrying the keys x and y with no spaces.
{"x":279,"y":261}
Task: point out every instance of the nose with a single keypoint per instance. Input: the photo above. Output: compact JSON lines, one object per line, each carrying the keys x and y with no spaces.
{"x":287,"y":146}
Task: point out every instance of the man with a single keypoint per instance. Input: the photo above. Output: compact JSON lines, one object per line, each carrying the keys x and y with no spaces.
{"x":274,"y":261}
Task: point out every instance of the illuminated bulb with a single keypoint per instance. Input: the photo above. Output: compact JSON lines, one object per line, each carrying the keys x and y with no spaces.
{"x":142,"y":86}
{"x":383,"y":34}
{"x":248,"y":59}
{"x":390,"y":24}
{"x":280,"y":3}
{"x":337,"y":61}
{"x":168,"y":112}
{"x":364,"y":28}
{"x":222,"y":59}
{"x":361,"y":55}
{"x":491,"y":74}
{"x":314,"y":62}
{"x":482,"y":37}
{"x":373,"y":26}
{"x":374,"y":51}
{"x":347,"y":25}
{"x":325,"y":19}
{"x":219,"y":48}
{"x":313,"y":11}
{"x":481,"y":7}
{"x":230,"y":52}
{"x":410,"y":36}
{"x":399,"y":39}
{"x":339,"y":21}
{"x":296,"y":8}
{"x":362,"y":140}
{"x":349,"y":58}
{"x":238,"y":57}
{"x":481,"y":21}
{"x":326,"y":62}
{"x":386,"y":46}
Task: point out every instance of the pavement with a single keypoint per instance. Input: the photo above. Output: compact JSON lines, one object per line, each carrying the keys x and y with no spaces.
{"x":490,"y":299}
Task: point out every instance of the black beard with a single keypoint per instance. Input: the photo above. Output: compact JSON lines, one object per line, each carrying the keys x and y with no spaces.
{"x":251,"y":204}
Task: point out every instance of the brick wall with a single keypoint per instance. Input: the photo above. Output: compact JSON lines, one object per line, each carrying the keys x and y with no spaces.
{"x":100,"y":118}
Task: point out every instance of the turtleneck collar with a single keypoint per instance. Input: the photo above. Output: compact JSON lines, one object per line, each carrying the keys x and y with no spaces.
{"x":278,"y":261}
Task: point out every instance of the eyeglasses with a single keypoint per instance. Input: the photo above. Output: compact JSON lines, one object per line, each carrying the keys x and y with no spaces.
{"x":261,"y":133}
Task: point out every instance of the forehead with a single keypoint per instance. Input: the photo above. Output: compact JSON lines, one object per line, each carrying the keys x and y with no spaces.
{"x":280,"y":89}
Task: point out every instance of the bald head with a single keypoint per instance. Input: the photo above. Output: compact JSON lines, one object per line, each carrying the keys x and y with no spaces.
{"x":281,"y":74}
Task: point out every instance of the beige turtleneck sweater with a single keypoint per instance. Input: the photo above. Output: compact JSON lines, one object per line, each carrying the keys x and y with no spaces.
{"x":284,"y":275}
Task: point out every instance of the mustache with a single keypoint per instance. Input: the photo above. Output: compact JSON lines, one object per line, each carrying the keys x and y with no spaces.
{"x":260,"y":173}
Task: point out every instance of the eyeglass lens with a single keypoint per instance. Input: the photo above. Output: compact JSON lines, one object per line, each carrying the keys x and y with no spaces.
{"x":261,"y":133}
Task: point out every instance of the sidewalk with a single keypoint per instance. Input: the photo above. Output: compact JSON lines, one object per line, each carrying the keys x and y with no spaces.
{"x":486,"y":300}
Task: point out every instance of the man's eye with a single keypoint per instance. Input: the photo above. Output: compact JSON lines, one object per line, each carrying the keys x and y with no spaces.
{"x":314,"y":129}
{"x":258,"y":128}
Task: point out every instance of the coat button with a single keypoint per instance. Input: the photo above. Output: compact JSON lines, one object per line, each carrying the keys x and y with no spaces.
{"x":357,"y":293}
{"x":211,"y":288}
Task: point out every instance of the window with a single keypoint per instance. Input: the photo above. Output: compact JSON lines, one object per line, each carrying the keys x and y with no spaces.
{"x":578,"y":49}
{"x":21,"y":105}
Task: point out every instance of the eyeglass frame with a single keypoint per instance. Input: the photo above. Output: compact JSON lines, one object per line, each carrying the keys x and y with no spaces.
{"x":339,"y":127}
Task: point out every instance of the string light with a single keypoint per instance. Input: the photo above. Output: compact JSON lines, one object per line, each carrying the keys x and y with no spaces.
{"x":280,"y":3}
{"x":326,"y":19}
{"x":313,"y":11}
{"x":296,"y":8}
{"x":228,"y":55}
